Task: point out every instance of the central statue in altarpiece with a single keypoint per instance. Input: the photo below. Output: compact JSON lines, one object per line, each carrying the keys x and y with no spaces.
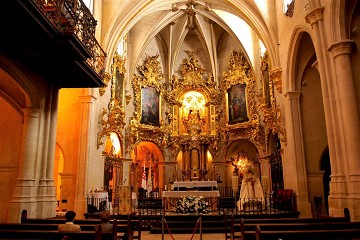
{"x":193,"y":100}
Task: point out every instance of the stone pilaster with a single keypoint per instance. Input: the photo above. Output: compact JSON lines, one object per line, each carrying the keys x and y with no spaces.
{"x":294,"y":168}
{"x":82,"y":168}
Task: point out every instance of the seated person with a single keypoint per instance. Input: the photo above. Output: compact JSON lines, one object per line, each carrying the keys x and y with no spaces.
{"x":106,"y":227}
{"x":69,"y":226}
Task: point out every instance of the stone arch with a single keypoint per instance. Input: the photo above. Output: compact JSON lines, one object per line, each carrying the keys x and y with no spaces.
{"x":290,"y":71}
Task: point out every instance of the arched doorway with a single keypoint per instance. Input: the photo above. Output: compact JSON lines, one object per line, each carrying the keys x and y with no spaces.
{"x":147,"y":177}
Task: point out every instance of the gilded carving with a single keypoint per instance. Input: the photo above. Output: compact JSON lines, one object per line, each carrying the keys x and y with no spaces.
{"x":149,"y":77}
{"x":113,"y":120}
{"x":107,"y":77}
{"x":275,"y":76}
{"x":239,"y":73}
{"x":193,"y":98}
{"x":271,"y":112}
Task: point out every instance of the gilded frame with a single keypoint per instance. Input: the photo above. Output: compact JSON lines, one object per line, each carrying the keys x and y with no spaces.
{"x":150,"y":106}
{"x":236,"y":101}
{"x":139,"y":129}
{"x":240,"y":75}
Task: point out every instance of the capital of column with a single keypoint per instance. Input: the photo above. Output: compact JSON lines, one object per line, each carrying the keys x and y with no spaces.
{"x":342,"y":47}
{"x":315,"y":15}
{"x":31,"y":112}
{"x":293,"y":95}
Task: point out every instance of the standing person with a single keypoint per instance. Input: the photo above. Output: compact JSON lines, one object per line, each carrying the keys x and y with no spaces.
{"x":106,"y":227}
{"x":251,"y":190}
{"x":69,"y":226}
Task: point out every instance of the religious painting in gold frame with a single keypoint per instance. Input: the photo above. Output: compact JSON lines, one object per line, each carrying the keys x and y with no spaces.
{"x":118,"y":81}
{"x":237,"y":104}
{"x":150,"y":106}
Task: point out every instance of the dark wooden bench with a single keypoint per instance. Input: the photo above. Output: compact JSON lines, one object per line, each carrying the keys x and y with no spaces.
{"x":246,"y":228}
{"x":42,"y":226}
{"x":60,"y":221}
{"x":308,"y":234}
{"x":123,"y":228}
{"x":54,"y":235}
{"x":131,"y":224}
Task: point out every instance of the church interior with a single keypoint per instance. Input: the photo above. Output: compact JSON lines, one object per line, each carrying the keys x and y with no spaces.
{"x":137,"y":99}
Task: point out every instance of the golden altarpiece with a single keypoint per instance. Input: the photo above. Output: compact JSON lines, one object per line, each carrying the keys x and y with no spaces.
{"x":191,"y":120}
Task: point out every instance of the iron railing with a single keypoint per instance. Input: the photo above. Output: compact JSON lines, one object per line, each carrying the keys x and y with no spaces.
{"x":72,"y":16}
{"x":155,"y":205}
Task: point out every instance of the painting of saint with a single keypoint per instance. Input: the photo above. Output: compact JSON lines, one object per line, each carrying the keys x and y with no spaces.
{"x":237,"y":106}
{"x":150,"y":106}
{"x":119,"y":86}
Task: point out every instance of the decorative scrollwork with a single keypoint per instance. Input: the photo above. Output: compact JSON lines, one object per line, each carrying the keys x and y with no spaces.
{"x":112,"y":122}
{"x":150,"y":75}
{"x":107,"y":77}
{"x":271,"y":112}
{"x":239,"y":72}
{"x":275,"y":76}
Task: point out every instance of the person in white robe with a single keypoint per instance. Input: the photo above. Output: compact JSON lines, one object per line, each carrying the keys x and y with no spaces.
{"x":251,"y":190}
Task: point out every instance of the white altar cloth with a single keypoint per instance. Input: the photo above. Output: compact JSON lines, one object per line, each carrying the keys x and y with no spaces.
{"x":179,"y":194}
{"x":196,"y":184}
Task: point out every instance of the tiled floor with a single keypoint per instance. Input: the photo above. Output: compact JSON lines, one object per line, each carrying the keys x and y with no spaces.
{"x":146,"y":235}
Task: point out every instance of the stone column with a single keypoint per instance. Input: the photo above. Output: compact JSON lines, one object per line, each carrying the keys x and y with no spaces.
{"x":46,"y":207}
{"x":339,"y":180}
{"x":314,"y":18}
{"x":23,"y":197}
{"x":294,"y":168}
{"x":348,"y":122}
{"x":82,"y":168}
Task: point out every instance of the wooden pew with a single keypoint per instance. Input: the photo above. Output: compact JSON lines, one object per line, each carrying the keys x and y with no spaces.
{"x":123,"y":226}
{"x":308,"y":234}
{"x":42,"y":226}
{"x":246,"y":228}
{"x":129,"y":224}
{"x":54,"y":234}
{"x":29,"y":227}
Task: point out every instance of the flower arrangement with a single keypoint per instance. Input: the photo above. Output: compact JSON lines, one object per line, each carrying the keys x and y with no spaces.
{"x":192,"y":204}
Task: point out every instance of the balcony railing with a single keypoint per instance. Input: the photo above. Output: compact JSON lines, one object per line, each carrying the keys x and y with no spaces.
{"x":73,"y":17}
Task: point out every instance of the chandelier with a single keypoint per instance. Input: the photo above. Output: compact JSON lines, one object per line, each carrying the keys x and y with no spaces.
{"x":242,"y":162}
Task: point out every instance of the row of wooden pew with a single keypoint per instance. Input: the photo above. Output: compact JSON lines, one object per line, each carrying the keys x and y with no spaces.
{"x":47,"y":229}
{"x":292,"y":228}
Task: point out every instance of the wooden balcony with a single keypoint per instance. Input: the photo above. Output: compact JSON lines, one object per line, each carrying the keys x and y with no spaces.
{"x":54,"y":38}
